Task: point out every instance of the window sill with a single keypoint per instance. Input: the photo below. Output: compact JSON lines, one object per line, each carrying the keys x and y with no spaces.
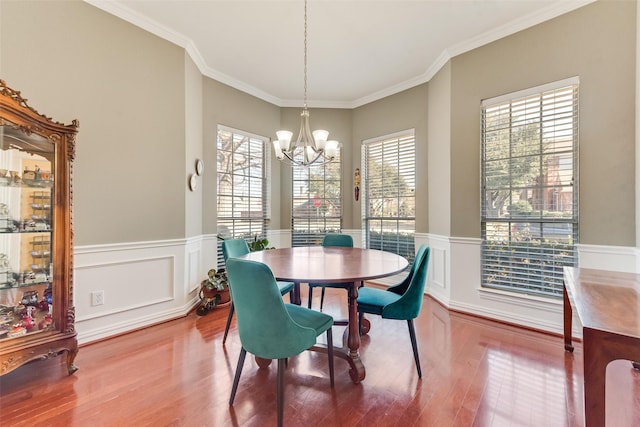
{"x":530,"y":301}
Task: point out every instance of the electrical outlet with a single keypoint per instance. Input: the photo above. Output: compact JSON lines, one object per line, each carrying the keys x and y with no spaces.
{"x":97,"y":298}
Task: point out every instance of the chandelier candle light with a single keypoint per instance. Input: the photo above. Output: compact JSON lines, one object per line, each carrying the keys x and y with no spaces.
{"x":309,"y":149}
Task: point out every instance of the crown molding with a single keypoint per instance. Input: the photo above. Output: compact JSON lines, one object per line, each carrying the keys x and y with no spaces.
{"x":556,"y":9}
{"x":553,"y":11}
{"x":515,"y":26}
{"x":119,"y":10}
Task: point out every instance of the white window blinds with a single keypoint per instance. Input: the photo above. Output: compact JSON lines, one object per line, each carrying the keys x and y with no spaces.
{"x":529,"y":189}
{"x":388,"y":205}
{"x":317,"y":207}
{"x":242,"y":185}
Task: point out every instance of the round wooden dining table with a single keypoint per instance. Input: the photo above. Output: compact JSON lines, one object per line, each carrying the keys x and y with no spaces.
{"x":333,"y":264}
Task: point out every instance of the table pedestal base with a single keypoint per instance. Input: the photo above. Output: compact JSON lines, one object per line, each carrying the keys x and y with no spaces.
{"x":356,"y":371}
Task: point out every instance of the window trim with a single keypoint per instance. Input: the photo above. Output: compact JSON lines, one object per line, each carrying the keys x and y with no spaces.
{"x":364,"y":192}
{"x":553,"y":291}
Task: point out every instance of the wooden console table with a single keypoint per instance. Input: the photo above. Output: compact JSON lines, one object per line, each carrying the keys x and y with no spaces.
{"x":608,"y":307}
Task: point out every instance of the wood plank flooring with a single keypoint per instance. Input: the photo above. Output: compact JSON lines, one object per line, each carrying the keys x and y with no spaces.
{"x":475,"y":373}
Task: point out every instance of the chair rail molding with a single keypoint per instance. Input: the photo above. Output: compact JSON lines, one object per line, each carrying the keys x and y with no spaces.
{"x":615,"y":258}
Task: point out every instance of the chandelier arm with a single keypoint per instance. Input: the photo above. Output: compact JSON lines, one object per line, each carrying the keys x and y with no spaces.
{"x":319,"y":160}
{"x":305,"y":139}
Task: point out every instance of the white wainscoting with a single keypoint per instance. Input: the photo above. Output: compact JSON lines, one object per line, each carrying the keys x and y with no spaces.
{"x":282,"y":238}
{"x":144,"y":283}
{"x":279,"y":238}
{"x":454,"y":280}
{"x":439,"y":272}
{"x":615,"y":258}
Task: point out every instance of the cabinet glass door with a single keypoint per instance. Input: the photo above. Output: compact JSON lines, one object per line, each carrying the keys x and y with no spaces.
{"x":26,"y":264}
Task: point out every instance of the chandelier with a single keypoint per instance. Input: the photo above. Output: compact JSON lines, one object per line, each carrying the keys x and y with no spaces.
{"x":311,"y":148}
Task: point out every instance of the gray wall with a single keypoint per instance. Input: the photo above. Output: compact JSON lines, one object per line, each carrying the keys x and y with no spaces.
{"x":596,"y":43}
{"x":127,"y":89}
{"x":439,"y":161}
{"x":193,"y":146}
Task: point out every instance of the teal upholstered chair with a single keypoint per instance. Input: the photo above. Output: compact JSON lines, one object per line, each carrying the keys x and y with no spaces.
{"x":235,"y":248}
{"x":331,"y":239}
{"x":269,"y":328}
{"x":402,"y":301}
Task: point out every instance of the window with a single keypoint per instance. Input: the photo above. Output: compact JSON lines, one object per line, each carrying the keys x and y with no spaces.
{"x":389,"y":204}
{"x":242,"y":185}
{"x":316,"y":202}
{"x":529,"y":188}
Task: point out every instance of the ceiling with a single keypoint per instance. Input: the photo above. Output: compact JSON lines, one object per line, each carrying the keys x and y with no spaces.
{"x":358,"y":50}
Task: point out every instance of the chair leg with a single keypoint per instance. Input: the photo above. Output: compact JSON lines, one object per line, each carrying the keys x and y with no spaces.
{"x":280,"y":390}
{"x":414,"y":344}
{"x":322,"y":298}
{"x":226,"y":329}
{"x":330,"y":354}
{"x":310,"y":296}
{"x":360,"y":317}
{"x":236,"y":379}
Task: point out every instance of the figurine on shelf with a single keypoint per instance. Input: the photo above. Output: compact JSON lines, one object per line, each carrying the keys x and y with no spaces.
{"x":28,"y":322}
{"x":30,"y":298}
{"x":17,"y":330}
{"x":20,"y":310}
{"x":48,"y":294}
{"x":28,"y":174}
{"x":46,"y":322}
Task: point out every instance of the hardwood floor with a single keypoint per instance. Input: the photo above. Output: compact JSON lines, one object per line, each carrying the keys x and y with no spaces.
{"x":475,"y":373}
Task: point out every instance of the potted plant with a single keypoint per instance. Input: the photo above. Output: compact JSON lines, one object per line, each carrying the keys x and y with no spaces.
{"x":214,"y":290}
{"x":259,"y":244}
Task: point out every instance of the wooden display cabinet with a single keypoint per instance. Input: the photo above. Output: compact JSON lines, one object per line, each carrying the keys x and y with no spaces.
{"x":36,"y":239}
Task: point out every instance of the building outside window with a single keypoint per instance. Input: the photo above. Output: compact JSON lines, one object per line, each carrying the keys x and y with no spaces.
{"x":388,"y":203}
{"x":317,"y":206}
{"x":529,"y":213}
{"x":242,"y":183}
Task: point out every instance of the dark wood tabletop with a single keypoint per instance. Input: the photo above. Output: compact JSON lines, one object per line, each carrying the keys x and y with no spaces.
{"x":333,"y":264}
{"x":327,"y":264}
{"x":607,"y":306}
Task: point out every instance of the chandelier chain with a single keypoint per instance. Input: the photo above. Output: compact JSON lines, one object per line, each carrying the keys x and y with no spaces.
{"x":305,"y":53}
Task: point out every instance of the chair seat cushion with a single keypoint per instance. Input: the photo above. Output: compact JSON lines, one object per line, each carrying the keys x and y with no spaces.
{"x":371,"y":300}
{"x":316,"y":320}
{"x":285,"y":287}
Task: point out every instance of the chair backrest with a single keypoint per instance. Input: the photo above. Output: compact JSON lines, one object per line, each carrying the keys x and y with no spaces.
{"x":410,"y":303}
{"x":265,"y":327}
{"x":232,"y":248}
{"x":337,"y":239}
